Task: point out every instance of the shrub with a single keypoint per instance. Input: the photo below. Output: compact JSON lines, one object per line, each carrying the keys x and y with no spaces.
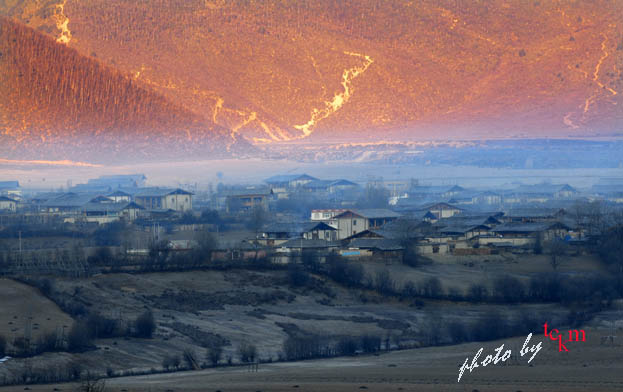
{"x":371,"y":344}
{"x":48,"y":342}
{"x":410,"y":256}
{"x":247,"y":352}
{"x":102,"y":256}
{"x":490,"y":327}
{"x":409,"y":290}
{"x":508,"y":289}
{"x":545,"y":287}
{"x":214,"y":354}
{"x":457,"y":332}
{"x":78,"y":338}
{"x":347,"y":346}
{"x":167,"y":362}
{"x":304,"y":348}
{"x":145,"y":325}
{"x":297,"y":276}
{"x":432,"y":288}
{"x":384,"y":283}
{"x":46,"y":286}
{"x":91,"y":384}
{"x":349,"y":274}
{"x":190,"y":358}
{"x":477,"y":292}
{"x":101,"y":327}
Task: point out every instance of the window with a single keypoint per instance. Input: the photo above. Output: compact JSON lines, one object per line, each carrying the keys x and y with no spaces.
{"x":354,"y":222}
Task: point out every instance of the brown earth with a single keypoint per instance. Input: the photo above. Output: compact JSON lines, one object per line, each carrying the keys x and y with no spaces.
{"x":53,"y":96}
{"x":23,"y":309}
{"x":274,"y":71}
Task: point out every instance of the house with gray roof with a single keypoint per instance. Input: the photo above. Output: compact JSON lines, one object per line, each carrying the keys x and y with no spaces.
{"x":164,"y":199}
{"x":7,"y":204}
{"x":110,"y":212}
{"x":11,"y":189}
{"x":351,"y":222}
{"x":289,"y":180}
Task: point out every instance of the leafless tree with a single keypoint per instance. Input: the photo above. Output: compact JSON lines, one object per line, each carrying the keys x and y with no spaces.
{"x":91,"y":384}
{"x":556,"y":249}
{"x":214,"y":354}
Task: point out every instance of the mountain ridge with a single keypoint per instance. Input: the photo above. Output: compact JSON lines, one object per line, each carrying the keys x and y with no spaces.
{"x":56,"y":97}
{"x":274,"y":71}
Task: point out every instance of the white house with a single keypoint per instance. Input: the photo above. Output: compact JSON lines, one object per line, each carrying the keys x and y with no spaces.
{"x":326,"y":216}
{"x":443,"y":210}
{"x":7,"y":204}
{"x":165,"y":199}
{"x":352,"y":222}
{"x":120,"y":196}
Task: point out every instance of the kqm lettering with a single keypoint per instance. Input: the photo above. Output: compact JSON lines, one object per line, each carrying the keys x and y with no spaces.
{"x":573,"y":336}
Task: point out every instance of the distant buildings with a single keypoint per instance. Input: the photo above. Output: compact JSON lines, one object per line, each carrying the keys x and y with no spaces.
{"x":10,"y":189}
{"x":119,"y":181}
{"x":7,"y":204}
{"x":164,"y":199}
{"x":110,"y":212}
{"x":288,"y":181}
{"x":238,"y":200}
{"x":351,"y":222}
{"x":327,"y":216}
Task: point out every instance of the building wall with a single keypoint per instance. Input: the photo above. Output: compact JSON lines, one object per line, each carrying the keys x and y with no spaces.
{"x":102,"y":219}
{"x":445,"y":212}
{"x":131,"y":213}
{"x":119,"y":199}
{"x":150,"y":202}
{"x":178,"y":202}
{"x":350,"y":225}
{"x":8,"y":206}
{"x":328,"y":235}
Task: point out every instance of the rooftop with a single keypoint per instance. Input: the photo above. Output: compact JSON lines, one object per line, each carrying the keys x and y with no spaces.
{"x":9,"y":184}
{"x":159,"y":192}
{"x":373,"y":213}
{"x":285,"y":178}
{"x":375,"y":243}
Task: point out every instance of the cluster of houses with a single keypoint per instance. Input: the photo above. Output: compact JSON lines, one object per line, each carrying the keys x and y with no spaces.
{"x":245,"y":198}
{"x":424,"y":218}
{"x":103,"y":200}
{"x":441,"y":229}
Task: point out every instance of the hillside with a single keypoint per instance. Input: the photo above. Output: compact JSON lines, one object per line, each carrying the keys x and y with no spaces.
{"x":208,"y":76}
{"x":57,"y":104}
{"x":285,"y":70}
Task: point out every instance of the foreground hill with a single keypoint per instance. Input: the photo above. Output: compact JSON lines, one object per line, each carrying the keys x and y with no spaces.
{"x":284,"y":70}
{"x":58,"y":103}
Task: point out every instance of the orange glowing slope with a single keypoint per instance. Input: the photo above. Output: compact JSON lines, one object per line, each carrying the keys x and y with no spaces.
{"x":57,"y":103}
{"x":286,"y":70}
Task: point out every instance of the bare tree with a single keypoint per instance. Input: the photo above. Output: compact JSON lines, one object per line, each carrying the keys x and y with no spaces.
{"x":384,"y":283}
{"x":92,"y":384}
{"x":247,"y":352}
{"x":214,"y":354}
{"x":191,"y":359}
{"x":556,"y":249}
{"x":257,"y":219}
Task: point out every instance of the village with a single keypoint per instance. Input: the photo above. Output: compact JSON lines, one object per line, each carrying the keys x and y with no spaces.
{"x":293,"y":268}
{"x":288,"y":215}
